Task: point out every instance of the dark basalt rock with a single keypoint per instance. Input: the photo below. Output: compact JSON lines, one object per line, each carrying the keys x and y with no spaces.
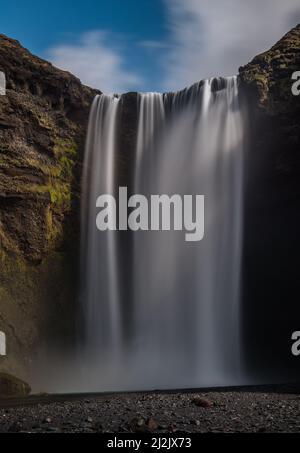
{"x":275,"y":111}
{"x":272,"y":210}
{"x":12,"y":387}
{"x":43,"y":121}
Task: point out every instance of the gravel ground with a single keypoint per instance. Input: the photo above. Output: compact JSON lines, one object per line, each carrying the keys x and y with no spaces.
{"x":221,"y":411}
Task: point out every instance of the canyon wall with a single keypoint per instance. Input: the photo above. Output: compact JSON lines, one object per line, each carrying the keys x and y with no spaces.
{"x":272,"y":210}
{"x":43,"y":120}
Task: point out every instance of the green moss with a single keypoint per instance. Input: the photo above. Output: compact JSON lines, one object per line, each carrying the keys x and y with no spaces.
{"x":35,"y":188}
{"x":53,"y":171}
{"x":60,"y":195}
{"x":54,"y":230}
{"x":65,"y":151}
{"x":45,"y":120}
{"x":259,"y":77}
{"x":66,"y":167}
{"x":59,"y":192}
{"x":65,"y":147}
{"x":59,"y":175}
{"x":17,"y":264}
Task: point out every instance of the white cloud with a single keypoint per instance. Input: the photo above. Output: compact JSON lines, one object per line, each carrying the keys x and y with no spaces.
{"x":207,"y":38}
{"x":152,"y":44}
{"x":95,"y":62}
{"x":215,"y":37}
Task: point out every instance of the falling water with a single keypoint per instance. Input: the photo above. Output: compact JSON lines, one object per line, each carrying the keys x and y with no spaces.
{"x":184,"y":307}
{"x":100,"y":289}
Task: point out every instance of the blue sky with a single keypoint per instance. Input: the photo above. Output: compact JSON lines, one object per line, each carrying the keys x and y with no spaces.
{"x":42,"y":25}
{"x":147,"y":45}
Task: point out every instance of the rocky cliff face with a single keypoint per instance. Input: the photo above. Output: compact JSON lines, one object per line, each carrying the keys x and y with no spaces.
{"x":268,"y":82}
{"x":43,"y":120}
{"x":272,"y":207}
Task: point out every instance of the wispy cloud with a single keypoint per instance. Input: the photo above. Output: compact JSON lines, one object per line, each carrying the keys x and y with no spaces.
{"x":154,"y":45}
{"x":206,"y":38}
{"x":96,"y":62}
{"x":215,"y":37}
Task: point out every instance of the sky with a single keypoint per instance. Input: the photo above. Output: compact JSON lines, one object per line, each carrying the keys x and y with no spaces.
{"x":147,"y":45}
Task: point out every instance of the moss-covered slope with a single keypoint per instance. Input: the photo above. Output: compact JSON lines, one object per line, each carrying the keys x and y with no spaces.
{"x":43,"y":120}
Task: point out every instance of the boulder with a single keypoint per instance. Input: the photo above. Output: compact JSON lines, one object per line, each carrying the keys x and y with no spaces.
{"x":12,"y":387}
{"x":202,"y":402}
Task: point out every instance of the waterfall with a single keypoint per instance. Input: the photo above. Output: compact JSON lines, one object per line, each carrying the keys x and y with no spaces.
{"x":185,"y":300}
{"x":100,"y":289}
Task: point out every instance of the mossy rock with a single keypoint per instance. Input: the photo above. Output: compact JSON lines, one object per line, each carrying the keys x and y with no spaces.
{"x":12,"y":387}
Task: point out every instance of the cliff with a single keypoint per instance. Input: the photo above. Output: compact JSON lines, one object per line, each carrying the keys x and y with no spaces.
{"x":268,"y":83}
{"x":43,"y":120}
{"x":272,"y":207}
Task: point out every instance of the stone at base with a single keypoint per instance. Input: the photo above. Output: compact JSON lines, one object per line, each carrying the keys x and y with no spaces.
{"x":12,"y":387}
